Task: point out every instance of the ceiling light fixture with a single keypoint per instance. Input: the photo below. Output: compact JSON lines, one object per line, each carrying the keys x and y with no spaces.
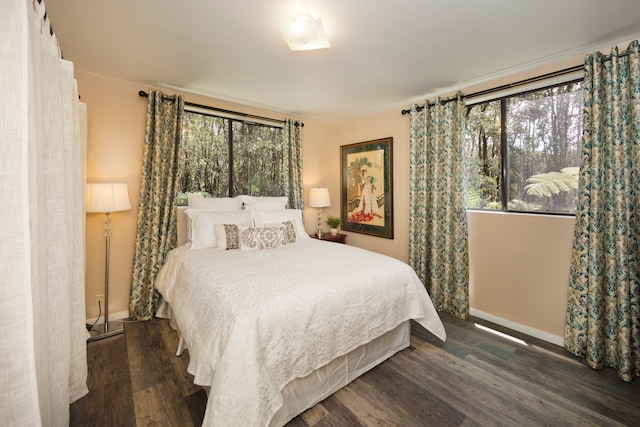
{"x":305,"y":33}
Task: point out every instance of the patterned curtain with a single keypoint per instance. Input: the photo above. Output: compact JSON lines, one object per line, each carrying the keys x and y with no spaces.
{"x":292,"y":142}
{"x":157,"y":233}
{"x":603,"y":313}
{"x":438,"y":248}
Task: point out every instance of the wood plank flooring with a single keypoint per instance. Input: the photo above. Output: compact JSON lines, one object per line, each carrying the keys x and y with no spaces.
{"x":474,"y":379}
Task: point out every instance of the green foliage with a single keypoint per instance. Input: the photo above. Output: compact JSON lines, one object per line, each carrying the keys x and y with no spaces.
{"x":258,"y":160}
{"x":204,"y":163}
{"x":542,"y":135}
{"x":474,"y":201}
{"x":554,"y":191}
{"x":183,"y":199}
{"x":334,"y":221}
{"x":552,"y":183}
{"x":483,"y":155}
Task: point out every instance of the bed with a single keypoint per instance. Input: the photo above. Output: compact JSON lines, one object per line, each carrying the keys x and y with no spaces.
{"x":273,"y":330}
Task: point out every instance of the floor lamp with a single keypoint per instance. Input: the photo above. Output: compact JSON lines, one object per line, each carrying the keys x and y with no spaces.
{"x":319,"y":198}
{"x":107,"y":198}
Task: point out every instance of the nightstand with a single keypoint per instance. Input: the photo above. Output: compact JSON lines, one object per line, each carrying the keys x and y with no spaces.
{"x":338,"y":238}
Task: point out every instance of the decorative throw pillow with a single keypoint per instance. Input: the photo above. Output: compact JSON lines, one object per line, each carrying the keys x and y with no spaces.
{"x":228,"y":236}
{"x":256,"y":238}
{"x":261,"y":218}
{"x":289,"y":230}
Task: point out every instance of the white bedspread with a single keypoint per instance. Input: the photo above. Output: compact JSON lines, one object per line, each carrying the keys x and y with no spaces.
{"x":255,"y":320}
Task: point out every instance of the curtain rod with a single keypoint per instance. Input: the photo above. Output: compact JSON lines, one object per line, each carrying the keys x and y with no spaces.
{"x":526,"y":81}
{"x":222,"y":110}
{"x":46,"y":20}
{"x":509,"y":86}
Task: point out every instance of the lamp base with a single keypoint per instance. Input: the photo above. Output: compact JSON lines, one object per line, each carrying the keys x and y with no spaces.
{"x":114,"y":328}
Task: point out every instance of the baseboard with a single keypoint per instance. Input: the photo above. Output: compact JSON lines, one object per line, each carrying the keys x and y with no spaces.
{"x":545,"y":336}
{"x":113,"y":316}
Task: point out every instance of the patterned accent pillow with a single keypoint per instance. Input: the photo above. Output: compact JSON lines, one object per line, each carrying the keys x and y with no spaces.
{"x":227,"y":236}
{"x":264,"y":218}
{"x":256,"y":238}
{"x":289,"y":230}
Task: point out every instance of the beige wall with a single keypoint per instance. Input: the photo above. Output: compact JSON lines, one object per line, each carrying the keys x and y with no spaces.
{"x":518,"y":263}
{"x":115,"y":125}
{"x":519,"y":270}
{"x":383,"y":125}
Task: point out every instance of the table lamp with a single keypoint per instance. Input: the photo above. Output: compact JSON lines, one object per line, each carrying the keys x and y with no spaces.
{"x":319,"y":198}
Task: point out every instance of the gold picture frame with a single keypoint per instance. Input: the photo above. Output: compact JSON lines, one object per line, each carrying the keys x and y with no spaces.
{"x":366,"y":187}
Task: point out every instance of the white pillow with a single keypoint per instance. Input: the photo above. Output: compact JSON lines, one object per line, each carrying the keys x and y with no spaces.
{"x":214,"y":203}
{"x":257,"y":238}
{"x":252,"y":202}
{"x":263,"y":218}
{"x":203,"y":222}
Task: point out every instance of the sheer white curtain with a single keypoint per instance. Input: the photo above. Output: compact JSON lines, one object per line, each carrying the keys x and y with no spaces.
{"x":43,"y":362}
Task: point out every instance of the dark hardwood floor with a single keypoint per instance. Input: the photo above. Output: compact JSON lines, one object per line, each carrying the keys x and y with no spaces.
{"x":475,"y":378}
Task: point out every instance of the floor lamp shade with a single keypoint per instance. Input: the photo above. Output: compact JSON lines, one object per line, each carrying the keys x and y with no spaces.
{"x":107,"y":198}
{"x":110,"y":197}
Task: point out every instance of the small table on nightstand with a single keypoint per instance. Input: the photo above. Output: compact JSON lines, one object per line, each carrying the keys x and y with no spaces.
{"x":338,"y":238}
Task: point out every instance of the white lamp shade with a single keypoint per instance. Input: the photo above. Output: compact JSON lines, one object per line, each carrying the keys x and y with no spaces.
{"x":319,"y":198}
{"x":111,"y":197}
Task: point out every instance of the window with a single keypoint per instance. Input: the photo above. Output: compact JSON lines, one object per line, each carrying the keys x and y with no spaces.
{"x":523,"y":151}
{"x":223,"y":157}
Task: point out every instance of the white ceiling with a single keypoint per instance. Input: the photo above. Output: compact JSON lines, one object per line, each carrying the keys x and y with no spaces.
{"x":383,"y":55}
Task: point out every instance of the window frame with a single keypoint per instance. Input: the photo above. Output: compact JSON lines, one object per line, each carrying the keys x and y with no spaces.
{"x":232,"y":119}
{"x":502,"y":97}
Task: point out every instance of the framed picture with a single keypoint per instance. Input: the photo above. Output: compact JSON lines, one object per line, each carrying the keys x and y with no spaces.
{"x":366,"y":194}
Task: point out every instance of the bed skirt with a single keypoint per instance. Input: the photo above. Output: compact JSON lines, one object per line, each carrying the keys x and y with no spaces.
{"x":303,"y":393}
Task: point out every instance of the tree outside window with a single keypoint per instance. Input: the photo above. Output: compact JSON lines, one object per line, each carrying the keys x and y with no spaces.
{"x":523,"y":151}
{"x":223,"y":157}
